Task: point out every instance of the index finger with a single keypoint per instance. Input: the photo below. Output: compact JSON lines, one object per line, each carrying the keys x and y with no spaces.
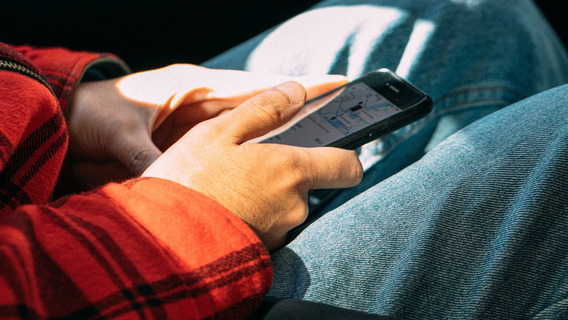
{"x":262,"y":113}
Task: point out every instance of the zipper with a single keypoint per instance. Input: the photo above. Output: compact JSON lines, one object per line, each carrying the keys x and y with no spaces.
{"x":12,"y":66}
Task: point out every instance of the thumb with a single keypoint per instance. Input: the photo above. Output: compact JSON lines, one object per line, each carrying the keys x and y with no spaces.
{"x":137,"y":153}
{"x":263,"y":112}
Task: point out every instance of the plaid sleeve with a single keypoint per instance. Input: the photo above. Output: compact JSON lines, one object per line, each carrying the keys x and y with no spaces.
{"x":147,"y":248}
{"x":64,"y":68}
{"x":33,"y":136}
{"x":35,"y":87}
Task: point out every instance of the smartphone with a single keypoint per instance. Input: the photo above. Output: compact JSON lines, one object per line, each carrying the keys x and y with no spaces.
{"x":354,"y":114}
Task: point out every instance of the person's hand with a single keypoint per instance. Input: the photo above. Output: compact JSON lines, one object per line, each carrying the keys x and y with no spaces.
{"x":266,"y":185}
{"x":118,"y":127}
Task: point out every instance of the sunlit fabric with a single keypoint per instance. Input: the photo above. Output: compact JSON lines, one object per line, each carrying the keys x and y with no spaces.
{"x":471,"y":3}
{"x":419,"y":37}
{"x":312,"y":41}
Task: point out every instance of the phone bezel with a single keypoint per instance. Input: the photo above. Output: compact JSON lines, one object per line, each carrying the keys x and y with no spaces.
{"x":414,"y":103}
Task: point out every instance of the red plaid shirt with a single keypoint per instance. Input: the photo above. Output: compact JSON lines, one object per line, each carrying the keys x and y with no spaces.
{"x":146,"y":248}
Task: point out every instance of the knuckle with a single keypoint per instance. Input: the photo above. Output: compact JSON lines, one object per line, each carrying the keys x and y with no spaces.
{"x":265,"y":112}
{"x":298,"y":173}
{"x":298,"y":215}
{"x":356,"y":168}
{"x":268,"y":106}
{"x":139,"y":161}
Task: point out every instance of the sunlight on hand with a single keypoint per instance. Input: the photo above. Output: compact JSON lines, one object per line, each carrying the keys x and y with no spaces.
{"x":210,"y":90}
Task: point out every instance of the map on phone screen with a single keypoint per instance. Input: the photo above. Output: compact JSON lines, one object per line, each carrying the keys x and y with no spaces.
{"x":332,"y":117}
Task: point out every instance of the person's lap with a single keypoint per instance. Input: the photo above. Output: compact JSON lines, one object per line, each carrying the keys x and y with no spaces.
{"x":473,"y":228}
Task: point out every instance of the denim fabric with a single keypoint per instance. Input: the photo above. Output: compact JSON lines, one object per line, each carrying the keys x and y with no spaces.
{"x":475,"y":229}
{"x":462,"y":214}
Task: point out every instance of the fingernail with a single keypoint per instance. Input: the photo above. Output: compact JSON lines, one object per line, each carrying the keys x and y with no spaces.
{"x":294,"y":90}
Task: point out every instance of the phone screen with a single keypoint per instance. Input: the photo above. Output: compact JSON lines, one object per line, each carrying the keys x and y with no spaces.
{"x":333,"y":116}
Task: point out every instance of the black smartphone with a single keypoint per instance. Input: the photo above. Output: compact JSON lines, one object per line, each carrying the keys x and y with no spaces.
{"x":354,"y":114}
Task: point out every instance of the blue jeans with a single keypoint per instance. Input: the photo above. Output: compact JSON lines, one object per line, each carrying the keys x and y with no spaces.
{"x":464,"y":213}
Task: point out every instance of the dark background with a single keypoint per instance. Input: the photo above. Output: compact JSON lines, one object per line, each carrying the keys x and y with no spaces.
{"x":145,"y":33}
{"x":154,"y":33}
